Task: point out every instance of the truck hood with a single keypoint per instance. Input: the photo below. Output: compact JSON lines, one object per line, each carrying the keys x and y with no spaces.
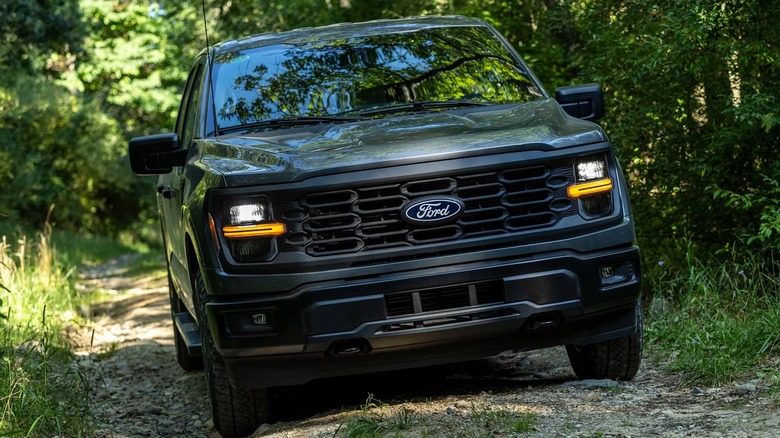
{"x":294,"y":154}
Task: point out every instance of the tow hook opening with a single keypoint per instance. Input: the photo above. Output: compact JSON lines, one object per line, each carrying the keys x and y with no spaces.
{"x":544,"y":320}
{"x":348,"y":347}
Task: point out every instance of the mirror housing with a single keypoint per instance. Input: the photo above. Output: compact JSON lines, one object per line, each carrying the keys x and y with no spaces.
{"x":584,"y":102}
{"x":156,"y":154}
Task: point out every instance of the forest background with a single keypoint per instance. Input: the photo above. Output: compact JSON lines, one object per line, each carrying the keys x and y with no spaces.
{"x":693,"y":108}
{"x":692,"y":91}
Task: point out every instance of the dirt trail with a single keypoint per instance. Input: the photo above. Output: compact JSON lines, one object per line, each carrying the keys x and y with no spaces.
{"x":139,"y":391}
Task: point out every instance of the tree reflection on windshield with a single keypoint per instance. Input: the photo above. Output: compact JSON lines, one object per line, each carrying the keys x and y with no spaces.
{"x":342,"y":76}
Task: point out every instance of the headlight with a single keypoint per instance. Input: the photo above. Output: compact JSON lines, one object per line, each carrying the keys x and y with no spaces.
{"x":241,"y":213}
{"x":593,"y":186}
{"x":249,"y":229}
{"x":592,"y":168}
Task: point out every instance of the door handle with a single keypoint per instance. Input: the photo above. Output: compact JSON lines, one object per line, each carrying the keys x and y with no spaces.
{"x":160,"y":188}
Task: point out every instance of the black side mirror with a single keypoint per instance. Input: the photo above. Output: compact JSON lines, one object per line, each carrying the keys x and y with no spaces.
{"x":584,"y":102}
{"x":156,"y":154}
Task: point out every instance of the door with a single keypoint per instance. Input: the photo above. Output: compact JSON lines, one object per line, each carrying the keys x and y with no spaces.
{"x":172,"y":187}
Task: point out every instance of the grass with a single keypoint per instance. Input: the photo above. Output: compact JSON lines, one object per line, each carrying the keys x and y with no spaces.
{"x":43,"y":392}
{"x":380,"y":420}
{"x":499,"y":422}
{"x":720,"y":319}
{"x":377,"y":420}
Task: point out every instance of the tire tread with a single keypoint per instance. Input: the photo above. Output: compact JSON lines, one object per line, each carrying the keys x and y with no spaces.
{"x":615,"y":359}
{"x":237,"y":412}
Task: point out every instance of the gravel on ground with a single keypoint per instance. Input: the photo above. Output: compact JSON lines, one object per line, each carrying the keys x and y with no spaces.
{"x":139,"y":391}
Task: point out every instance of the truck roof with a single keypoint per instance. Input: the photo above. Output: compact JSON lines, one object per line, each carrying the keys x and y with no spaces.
{"x":344,"y":30}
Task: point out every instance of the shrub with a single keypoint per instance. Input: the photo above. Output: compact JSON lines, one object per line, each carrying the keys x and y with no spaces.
{"x":715,"y":318}
{"x":691,"y":89}
{"x":60,"y":150}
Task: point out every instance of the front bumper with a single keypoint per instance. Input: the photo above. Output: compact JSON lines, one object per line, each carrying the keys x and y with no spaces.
{"x":446,"y":314}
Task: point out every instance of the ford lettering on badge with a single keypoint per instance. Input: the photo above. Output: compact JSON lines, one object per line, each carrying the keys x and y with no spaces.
{"x":433,"y":211}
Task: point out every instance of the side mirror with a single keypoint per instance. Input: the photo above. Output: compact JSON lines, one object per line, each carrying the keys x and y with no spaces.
{"x":584,"y":102}
{"x":156,"y":154}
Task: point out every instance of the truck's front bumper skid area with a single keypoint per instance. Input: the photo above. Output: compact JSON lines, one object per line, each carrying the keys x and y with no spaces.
{"x":331,"y":330}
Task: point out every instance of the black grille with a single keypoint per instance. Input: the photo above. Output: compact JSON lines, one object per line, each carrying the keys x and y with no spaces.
{"x":369,"y":218}
{"x":443,"y":298}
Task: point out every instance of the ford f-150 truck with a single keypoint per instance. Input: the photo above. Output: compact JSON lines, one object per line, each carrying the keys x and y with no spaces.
{"x":386,"y":195}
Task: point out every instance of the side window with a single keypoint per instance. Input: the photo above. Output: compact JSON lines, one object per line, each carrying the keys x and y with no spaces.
{"x":187,"y":120}
{"x":185,"y":97}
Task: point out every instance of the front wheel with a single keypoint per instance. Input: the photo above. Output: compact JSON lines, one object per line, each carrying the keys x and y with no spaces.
{"x":237,"y":412}
{"x":615,"y":359}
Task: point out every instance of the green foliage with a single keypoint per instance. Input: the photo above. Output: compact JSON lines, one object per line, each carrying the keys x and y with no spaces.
{"x":689,"y":87}
{"x":374,"y":421}
{"x":42,"y":390}
{"x":38,"y":37}
{"x":30,"y":269}
{"x":81,"y":79}
{"x":494,"y":421}
{"x":137,"y":55}
{"x":719,"y":319}
{"x":62,"y":151}
{"x":378,"y":420}
{"x":762,"y":202}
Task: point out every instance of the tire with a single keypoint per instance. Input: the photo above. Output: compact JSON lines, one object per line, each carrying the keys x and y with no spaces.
{"x":616,"y":359}
{"x":237,"y":412}
{"x":183,"y":357}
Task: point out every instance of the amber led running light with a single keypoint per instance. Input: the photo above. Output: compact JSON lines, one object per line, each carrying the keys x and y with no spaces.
{"x":589,"y":188}
{"x":213,"y":229}
{"x":271,"y":229}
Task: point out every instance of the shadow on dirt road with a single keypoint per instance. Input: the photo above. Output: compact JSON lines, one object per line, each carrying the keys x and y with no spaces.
{"x":139,"y":391}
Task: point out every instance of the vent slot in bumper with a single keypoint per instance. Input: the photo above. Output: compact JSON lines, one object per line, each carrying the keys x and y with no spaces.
{"x":444,"y":298}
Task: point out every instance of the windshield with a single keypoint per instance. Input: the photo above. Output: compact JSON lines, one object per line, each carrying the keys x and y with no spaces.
{"x":350,"y":75}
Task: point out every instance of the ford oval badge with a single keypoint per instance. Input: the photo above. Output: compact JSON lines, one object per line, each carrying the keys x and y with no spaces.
{"x":432,"y":211}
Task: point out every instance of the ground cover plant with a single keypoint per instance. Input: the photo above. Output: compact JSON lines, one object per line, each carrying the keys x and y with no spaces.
{"x":43,"y":391}
{"x":716,"y":319}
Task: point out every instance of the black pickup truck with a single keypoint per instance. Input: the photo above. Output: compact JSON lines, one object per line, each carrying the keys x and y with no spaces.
{"x":385,"y":195}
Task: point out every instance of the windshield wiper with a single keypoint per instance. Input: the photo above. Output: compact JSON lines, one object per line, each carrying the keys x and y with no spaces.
{"x":422,"y":105}
{"x":290,"y":121}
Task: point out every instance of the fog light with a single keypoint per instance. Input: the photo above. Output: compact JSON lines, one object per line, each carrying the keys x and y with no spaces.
{"x":259,"y":319}
{"x":597,"y":205}
{"x":247,"y":250}
{"x":251,"y":322}
{"x":616,"y":274}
